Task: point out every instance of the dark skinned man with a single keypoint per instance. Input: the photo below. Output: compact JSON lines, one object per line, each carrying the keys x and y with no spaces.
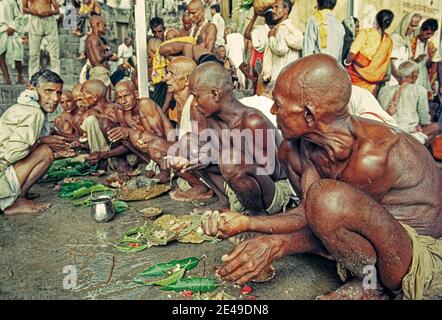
{"x":236,"y":178}
{"x":371,"y":195}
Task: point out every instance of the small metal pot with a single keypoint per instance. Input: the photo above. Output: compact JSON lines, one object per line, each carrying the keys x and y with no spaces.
{"x":102,"y":209}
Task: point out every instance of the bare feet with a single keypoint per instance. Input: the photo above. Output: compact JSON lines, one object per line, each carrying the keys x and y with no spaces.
{"x":77,"y":33}
{"x":193,"y":194}
{"x":353,"y":290}
{"x":21,"y":80}
{"x":25,"y":206}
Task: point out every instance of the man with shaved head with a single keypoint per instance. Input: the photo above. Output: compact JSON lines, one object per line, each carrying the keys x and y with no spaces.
{"x":98,"y":118}
{"x":97,"y":53}
{"x":237,"y":176}
{"x":204,"y":31}
{"x":371,"y":195}
{"x":177,"y":78}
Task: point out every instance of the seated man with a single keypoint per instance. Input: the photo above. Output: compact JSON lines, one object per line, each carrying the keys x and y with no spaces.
{"x":26,"y":150}
{"x":407,"y":102}
{"x":64,"y":124}
{"x":140,"y":117}
{"x":246,"y":177}
{"x":371,"y":196}
{"x":98,"y":118}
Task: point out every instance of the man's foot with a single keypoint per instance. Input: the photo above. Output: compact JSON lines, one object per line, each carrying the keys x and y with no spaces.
{"x":25,"y":206}
{"x":193,"y":194}
{"x":353,"y":290}
{"x":82,"y":56}
{"x":8,"y":82}
{"x":21,"y":80}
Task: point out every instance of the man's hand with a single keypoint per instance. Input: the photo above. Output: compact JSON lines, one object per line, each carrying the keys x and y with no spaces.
{"x":224,"y":225}
{"x":56,"y":143}
{"x":250,"y":259}
{"x":113,"y":58}
{"x":421,"y":58}
{"x":96,"y":157}
{"x":10,"y":31}
{"x":272,"y":32}
{"x":120,"y":133}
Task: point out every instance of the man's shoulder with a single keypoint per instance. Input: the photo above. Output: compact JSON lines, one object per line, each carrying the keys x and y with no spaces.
{"x":22,"y":113}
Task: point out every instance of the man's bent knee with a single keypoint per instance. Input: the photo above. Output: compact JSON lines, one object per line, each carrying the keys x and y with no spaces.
{"x":326,"y":204}
{"x":45,"y":153}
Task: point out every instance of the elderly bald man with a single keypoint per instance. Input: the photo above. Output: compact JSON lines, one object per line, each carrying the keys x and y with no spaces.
{"x":371,"y":195}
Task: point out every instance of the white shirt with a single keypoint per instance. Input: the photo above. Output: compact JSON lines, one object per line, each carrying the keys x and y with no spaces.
{"x":363,"y":104}
{"x":218,"y":21}
{"x":283,"y":48}
{"x":260,"y":37}
{"x":124,"y":52}
{"x":235,"y":48}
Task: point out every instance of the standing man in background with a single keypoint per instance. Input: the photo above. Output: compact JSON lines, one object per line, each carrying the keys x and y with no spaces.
{"x":219,"y":23}
{"x":324,"y":33}
{"x":42,"y":24}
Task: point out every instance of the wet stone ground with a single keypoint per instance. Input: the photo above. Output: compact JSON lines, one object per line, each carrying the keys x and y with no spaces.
{"x":34,"y":251}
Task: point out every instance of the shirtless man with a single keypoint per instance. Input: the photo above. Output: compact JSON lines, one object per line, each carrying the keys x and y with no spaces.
{"x":98,"y":118}
{"x":177,"y":78}
{"x":184,"y":31}
{"x":42,"y":24}
{"x":204,"y":31}
{"x":136,"y":117}
{"x":371,"y":195}
{"x":97,"y":53}
{"x":65,"y":122}
{"x":26,"y":149}
{"x":239,"y":185}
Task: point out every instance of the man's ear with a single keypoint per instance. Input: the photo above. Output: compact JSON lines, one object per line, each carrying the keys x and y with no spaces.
{"x":216,"y":95}
{"x":309,"y":115}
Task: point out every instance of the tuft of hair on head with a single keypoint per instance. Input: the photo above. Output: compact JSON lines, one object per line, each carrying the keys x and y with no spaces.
{"x":45,"y":76}
{"x":125,"y":83}
{"x":95,"y":87}
{"x":326,"y":4}
{"x":212,"y":75}
{"x":430,"y":24}
{"x":93,"y":20}
{"x":407,"y":68}
{"x":155,"y":22}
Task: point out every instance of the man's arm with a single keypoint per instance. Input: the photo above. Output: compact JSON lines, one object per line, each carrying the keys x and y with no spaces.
{"x":94,"y":51}
{"x":211,"y":37}
{"x":249,"y":29}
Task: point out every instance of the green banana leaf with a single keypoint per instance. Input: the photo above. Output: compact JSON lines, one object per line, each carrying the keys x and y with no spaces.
{"x":170,"y":280}
{"x":194,"y":285}
{"x":162,"y":269}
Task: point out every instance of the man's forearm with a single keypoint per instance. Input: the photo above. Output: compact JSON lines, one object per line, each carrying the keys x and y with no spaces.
{"x":289,"y":222}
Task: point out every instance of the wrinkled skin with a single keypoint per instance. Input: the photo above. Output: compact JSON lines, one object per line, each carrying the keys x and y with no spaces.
{"x":357,"y":179}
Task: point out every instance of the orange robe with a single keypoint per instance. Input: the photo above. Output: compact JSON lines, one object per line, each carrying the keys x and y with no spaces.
{"x":369,"y":77}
